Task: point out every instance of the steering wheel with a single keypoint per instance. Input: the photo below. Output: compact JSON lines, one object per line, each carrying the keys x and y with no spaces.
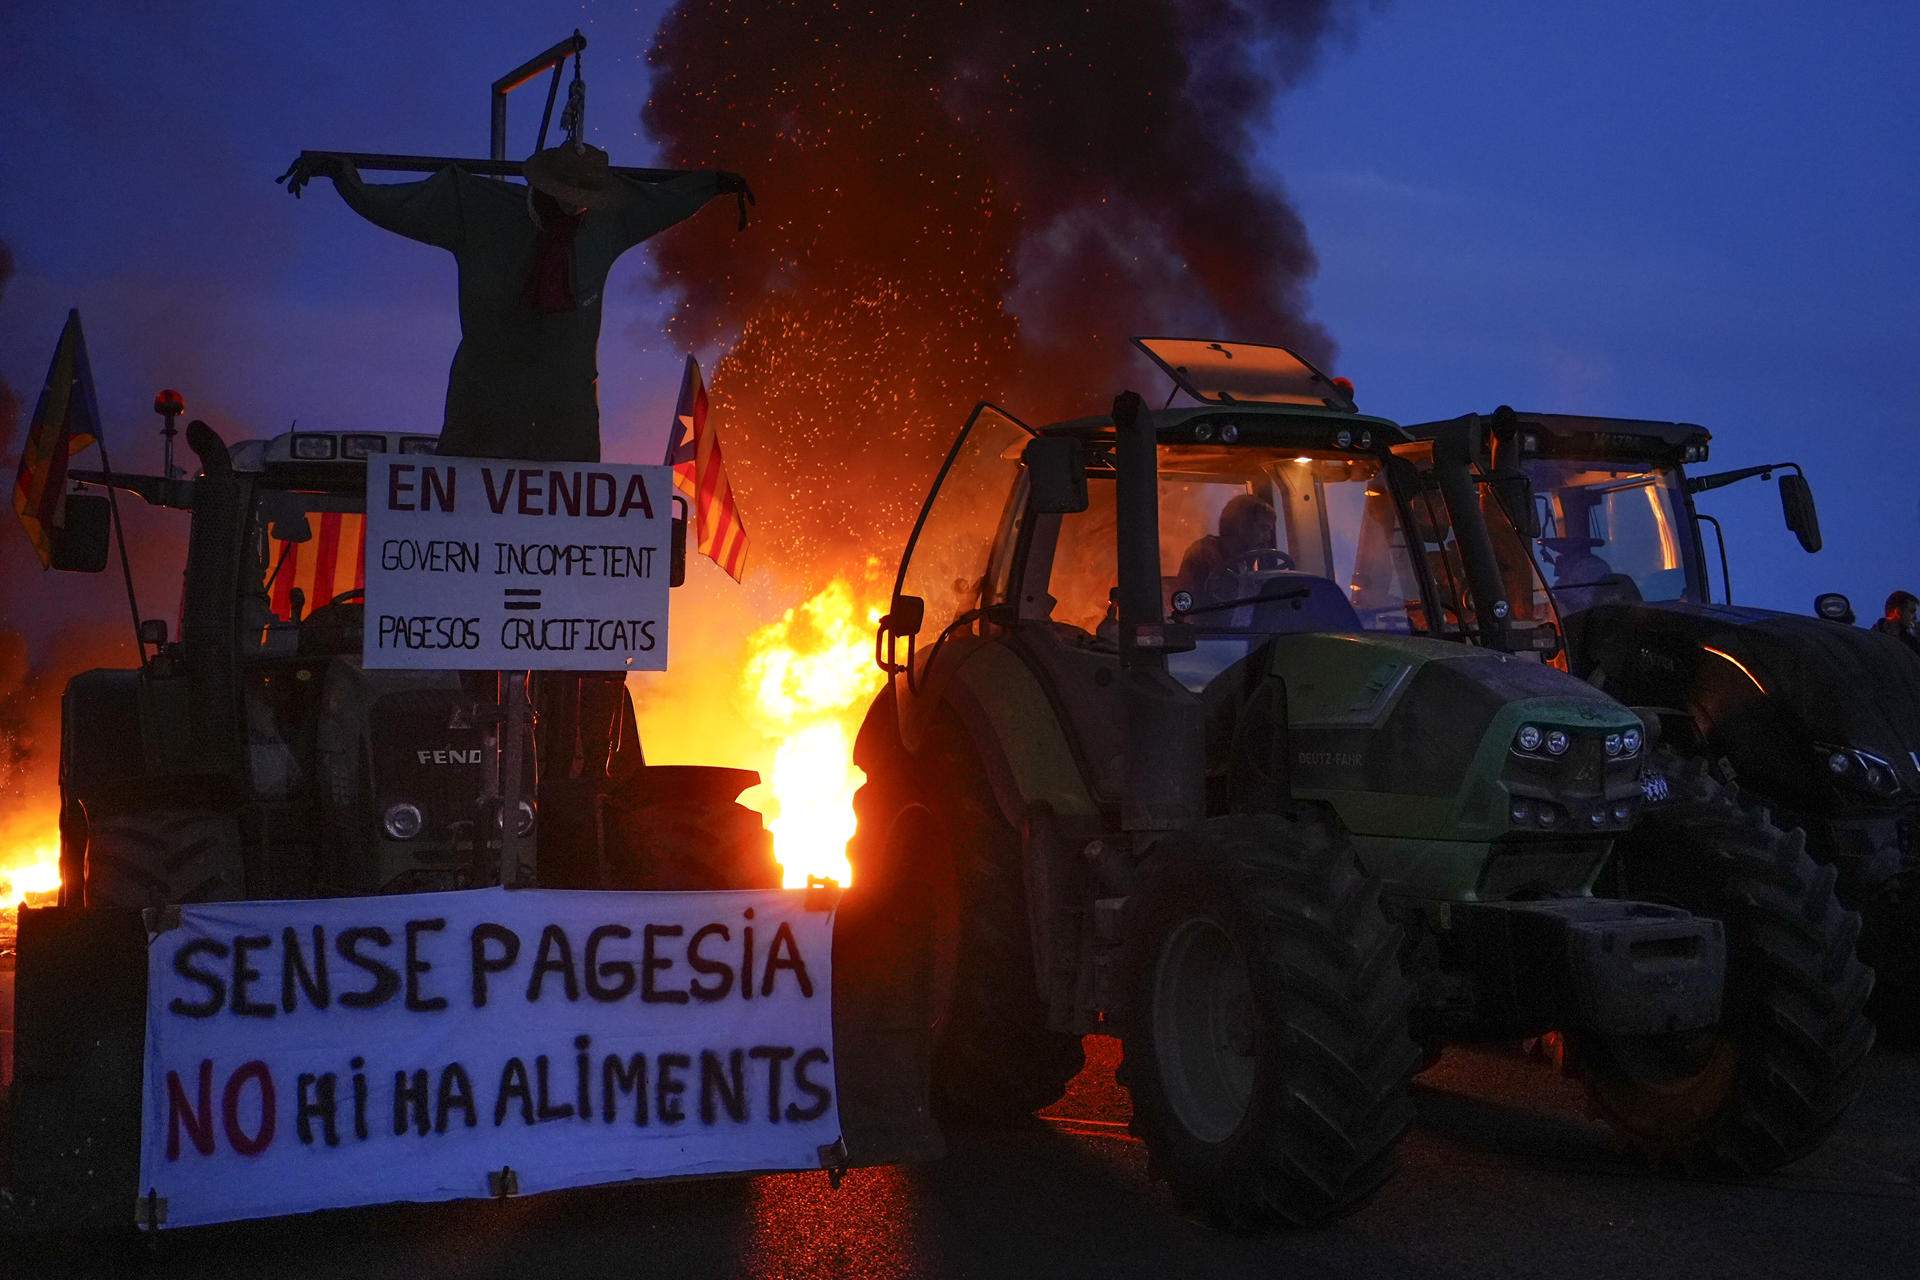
{"x":351,"y":593}
{"x":1250,"y":561}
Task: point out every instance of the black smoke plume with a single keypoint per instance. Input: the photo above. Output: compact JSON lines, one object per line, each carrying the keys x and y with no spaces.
{"x":958,"y":202}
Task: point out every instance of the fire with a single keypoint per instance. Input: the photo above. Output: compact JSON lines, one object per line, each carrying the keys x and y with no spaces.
{"x":761,"y":683}
{"x":807,"y":682}
{"x":30,"y":874}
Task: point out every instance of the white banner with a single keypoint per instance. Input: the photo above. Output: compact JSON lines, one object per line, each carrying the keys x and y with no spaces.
{"x":354,"y":1051}
{"x":484,"y":564}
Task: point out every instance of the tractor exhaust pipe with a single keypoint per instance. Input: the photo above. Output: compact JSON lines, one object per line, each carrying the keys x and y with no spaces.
{"x":1137,"y":491}
{"x":1455,"y":455}
{"x":1165,"y":746}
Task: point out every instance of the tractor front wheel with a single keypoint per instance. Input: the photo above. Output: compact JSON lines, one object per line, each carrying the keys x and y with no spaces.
{"x":1768,"y":1084}
{"x":1265,"y":1031}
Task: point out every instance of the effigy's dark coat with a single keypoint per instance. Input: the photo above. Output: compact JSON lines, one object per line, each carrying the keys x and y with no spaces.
{"x":523,"y":379}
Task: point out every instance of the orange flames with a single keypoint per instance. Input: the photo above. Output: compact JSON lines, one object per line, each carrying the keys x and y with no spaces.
{"x":783,"y":693}
{"x":30,"y":872}
{"x":808,"y":678}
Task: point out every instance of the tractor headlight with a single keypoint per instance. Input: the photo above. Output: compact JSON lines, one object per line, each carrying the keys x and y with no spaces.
{"x":1839,"y":762}
{"x":522,"y":819}
{"x":1528,"y":738}
{"x":1558,"y":742}
{"x":1630,"y":742}
{"x":1616,"y":743}
{"x":403,"y":821}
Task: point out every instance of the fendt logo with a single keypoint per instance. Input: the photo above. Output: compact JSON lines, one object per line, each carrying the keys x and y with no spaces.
{"x":449,"y":755}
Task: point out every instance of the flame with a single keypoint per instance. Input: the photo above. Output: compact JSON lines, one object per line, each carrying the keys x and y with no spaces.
{"x":30,"y":873}
{"x":807,"y":681}
{"x":761,"y":683}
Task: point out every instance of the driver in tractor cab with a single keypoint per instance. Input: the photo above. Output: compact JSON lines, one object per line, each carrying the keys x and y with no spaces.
{"x":1210,"y":566}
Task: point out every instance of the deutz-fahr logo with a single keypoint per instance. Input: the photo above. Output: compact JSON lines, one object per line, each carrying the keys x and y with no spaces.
{"x":1343,"y":759}
{"x":449,"y":755}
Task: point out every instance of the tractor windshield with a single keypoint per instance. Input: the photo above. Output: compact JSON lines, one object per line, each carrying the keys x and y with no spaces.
{"x":309,"y":551}
{"x":1611,"y":531}
{"x":1253,"y":542}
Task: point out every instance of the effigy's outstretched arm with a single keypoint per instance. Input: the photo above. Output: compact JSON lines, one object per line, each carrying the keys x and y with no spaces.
{"x":428,"y":210}
{"x":647,"y":208}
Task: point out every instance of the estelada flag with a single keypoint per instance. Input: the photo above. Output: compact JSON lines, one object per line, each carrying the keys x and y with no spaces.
{"x":65,"y":421}
{"x":693,"y":451}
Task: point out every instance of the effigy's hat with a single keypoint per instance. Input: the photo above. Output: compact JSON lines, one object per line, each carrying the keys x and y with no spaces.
{"x":574,"y":174}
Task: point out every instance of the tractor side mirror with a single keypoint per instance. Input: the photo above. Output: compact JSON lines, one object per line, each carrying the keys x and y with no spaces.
{"x":1056,"y":475}
{"x":1834,"y":607}
{"x":908,"y":615}
{"x":903,"y":622}
{"x":677,"y":544}
{"x":1796,"y":504}
{"x":292,"y":527}
{"x":153,"y":631}
{"x":1515,"y":494}
{"x":80,"y":544}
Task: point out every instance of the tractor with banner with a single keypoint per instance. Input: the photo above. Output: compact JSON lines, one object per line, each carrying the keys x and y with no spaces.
{"x":1182,"y":743}
{"x":1806,"y":719}
{"x":391,"y":719}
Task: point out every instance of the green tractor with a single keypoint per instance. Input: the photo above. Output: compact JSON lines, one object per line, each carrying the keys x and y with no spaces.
{"x":1818,"y":721}
{"x":1183,"y":743}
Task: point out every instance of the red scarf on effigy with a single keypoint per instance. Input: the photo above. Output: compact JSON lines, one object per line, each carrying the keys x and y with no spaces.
{"x":550,"y":282}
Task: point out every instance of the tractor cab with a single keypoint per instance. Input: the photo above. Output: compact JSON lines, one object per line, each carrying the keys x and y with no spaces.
{"x":1278,"y":510}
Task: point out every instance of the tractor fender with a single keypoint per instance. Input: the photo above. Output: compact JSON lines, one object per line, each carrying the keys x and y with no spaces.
{"x":100,"y":736}
{"x":989,"y":693}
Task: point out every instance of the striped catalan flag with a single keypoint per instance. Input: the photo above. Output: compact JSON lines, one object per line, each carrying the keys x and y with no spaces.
{"x":65,"y":420}
{"x":333,"y":560}
{"x":699,"y":475}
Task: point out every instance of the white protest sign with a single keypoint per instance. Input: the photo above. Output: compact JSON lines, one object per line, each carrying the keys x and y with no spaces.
{"x":489,"y":564}
{"x":353,"y":1051}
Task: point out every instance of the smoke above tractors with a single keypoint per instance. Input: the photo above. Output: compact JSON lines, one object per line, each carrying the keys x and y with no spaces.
{"x":956,"y":202}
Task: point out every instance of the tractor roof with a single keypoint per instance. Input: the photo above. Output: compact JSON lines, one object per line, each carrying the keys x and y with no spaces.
{"x":1569,"y":426}
{"x":323,"y":453}
{"x":1261,"y":422}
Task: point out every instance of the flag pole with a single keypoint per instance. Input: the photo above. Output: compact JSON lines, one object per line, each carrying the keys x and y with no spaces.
{"x":120,"y":536}
{"x":83,"y":378}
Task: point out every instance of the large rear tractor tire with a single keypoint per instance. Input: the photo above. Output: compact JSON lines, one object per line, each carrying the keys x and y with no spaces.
{"x":931,"y":825}
{"x":1767,"y":1086}
{"x":159,"y":857}
{"x":1265,"y":1034}
{"x":995,"y":1059}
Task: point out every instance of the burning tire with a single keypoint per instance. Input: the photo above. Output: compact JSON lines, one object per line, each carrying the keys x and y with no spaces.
{"x":153,"y":858}
{"x":1265,"y":1033}
{"x":679,"y":828}
{"x":1767,"y":1086}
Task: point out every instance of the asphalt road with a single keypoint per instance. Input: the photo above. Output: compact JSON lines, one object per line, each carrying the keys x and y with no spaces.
{"x":1503,"y":1174}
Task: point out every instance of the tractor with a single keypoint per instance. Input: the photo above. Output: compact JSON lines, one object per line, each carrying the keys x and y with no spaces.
{"x":255,"y":757}
{"x":1818,"y":721}
{"x":1182,"y":740}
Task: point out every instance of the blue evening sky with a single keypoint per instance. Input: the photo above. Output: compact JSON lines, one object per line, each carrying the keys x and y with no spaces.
{"x":1689,"y":210}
